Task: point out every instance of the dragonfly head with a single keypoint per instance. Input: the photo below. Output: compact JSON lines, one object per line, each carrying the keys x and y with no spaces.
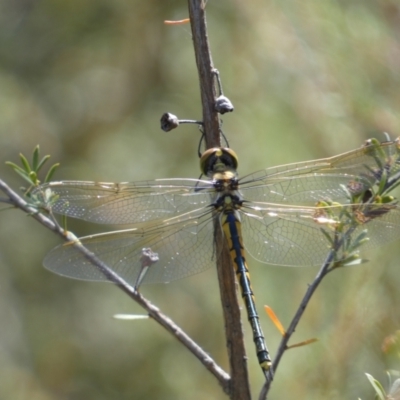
{"x":218,"y":159}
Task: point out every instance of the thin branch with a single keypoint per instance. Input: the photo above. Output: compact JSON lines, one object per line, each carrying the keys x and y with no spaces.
{"x":324,"y":270}
{"x":154,"y":312}
{"x":240,"y":387}
{"x":296,"y":319}
{"x":205,"y":70}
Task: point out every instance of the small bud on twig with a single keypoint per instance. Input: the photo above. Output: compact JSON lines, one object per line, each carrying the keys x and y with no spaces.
{"x":169,"y":121}
{"x":223,"y":105}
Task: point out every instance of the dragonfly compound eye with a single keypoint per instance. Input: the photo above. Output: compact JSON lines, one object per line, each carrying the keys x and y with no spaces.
{"x":218,"y":159}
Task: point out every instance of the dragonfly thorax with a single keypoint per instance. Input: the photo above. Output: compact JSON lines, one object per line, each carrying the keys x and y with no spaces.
{"x":228,"y":197}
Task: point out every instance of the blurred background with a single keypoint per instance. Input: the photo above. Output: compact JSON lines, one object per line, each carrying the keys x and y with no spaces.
{"x":88,"y":81}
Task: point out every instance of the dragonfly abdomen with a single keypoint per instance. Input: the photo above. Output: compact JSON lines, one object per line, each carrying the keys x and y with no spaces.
{"x":232,"y":230}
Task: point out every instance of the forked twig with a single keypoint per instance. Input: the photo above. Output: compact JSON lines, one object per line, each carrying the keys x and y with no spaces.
{"x":324,"y":270}
{"x":154,"y":312}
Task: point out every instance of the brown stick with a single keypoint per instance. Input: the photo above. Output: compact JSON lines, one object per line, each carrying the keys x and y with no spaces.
{"x":239,"y":383}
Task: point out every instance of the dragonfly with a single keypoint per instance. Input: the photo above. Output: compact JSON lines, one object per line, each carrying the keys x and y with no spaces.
{"x":290,"y":215}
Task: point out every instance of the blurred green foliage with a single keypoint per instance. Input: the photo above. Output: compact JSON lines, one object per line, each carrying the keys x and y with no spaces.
{"x":88,"y":81}
{"x":29,"y":171}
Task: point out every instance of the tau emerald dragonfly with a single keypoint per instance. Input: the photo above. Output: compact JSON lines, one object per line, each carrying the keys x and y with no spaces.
{"x":289,"y":215}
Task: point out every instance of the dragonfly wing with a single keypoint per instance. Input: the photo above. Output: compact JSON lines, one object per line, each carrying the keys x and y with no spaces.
{"x":293,"y":236}
{"x":304,"y":190}
{"x":123,"y":203}
{"x":184,"y":247}
{"x":383,"y":229}
{"x":308,"y":182}
{"x":287,"y":237}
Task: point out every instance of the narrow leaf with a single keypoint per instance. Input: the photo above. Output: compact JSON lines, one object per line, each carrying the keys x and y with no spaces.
{"x":35,"y":158}
{"x":51,"y":172}
{"x":328,"y":237}
{"x":64,"y":222}
{"x":380,"y":392}
{"x":275,"y":320}
{"x":303,"y":343}
{"x":382,"y":182}
{"x":130,"y":317}
{"x":351,"y":261}
{"x":394,"y":185}
{"x":360,"y":239}
{"x":25,"y":163}
{"x":20,"y":172}
{"x":42,"y":162}
{"x":395,"y":389}
{"x":16,"y":167}
{"x":178,"y":22}
{"x":33,"y":177}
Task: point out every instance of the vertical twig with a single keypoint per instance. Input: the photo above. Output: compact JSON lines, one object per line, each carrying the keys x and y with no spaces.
{"x":205,"y":69}
{"x":240,"y":388}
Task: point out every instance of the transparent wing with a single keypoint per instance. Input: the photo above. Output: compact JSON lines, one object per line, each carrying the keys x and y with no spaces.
{"x":292,"y":236}
{"x":123,"y":203}
{"x":184,"y":247}
{"x":297,"y":184}
{"x":308,"y":182}
{"x":284,"y":237}
{"x":278,"y":228}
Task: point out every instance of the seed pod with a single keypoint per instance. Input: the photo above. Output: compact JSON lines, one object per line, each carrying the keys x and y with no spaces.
{"x":169,"y":121}
{"x":223,"y":105}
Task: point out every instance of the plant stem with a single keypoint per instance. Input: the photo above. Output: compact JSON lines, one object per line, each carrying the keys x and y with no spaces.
{"x":240,"y":387}
{"x":154,"y":312}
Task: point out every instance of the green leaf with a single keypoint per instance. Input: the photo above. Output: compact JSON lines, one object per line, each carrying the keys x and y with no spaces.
{"x":360,"y":240}
{"x":395,"y":388}
{"x":374,"y":149}
{"x":64,"y":222}
{"x":394,"y":185}
{"x":35,"y":158}
{"x":42,"y":162}
{"x":16,"y":167}
{"x":25,"y":163}
{"x":380,"y":392}
{"x":31,"y":174}
{"x":346,"y":190}
{"x":354,"y":260}
{"x":328,"y":237}
{"x":382,"y":181}
{"x":33,"y":177}
{"x":24,"y":175}
{"x":51,"y":171}
{"x":21,"y":172}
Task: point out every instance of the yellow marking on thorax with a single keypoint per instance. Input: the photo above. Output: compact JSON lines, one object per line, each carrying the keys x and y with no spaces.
{"x":224,"y":175}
